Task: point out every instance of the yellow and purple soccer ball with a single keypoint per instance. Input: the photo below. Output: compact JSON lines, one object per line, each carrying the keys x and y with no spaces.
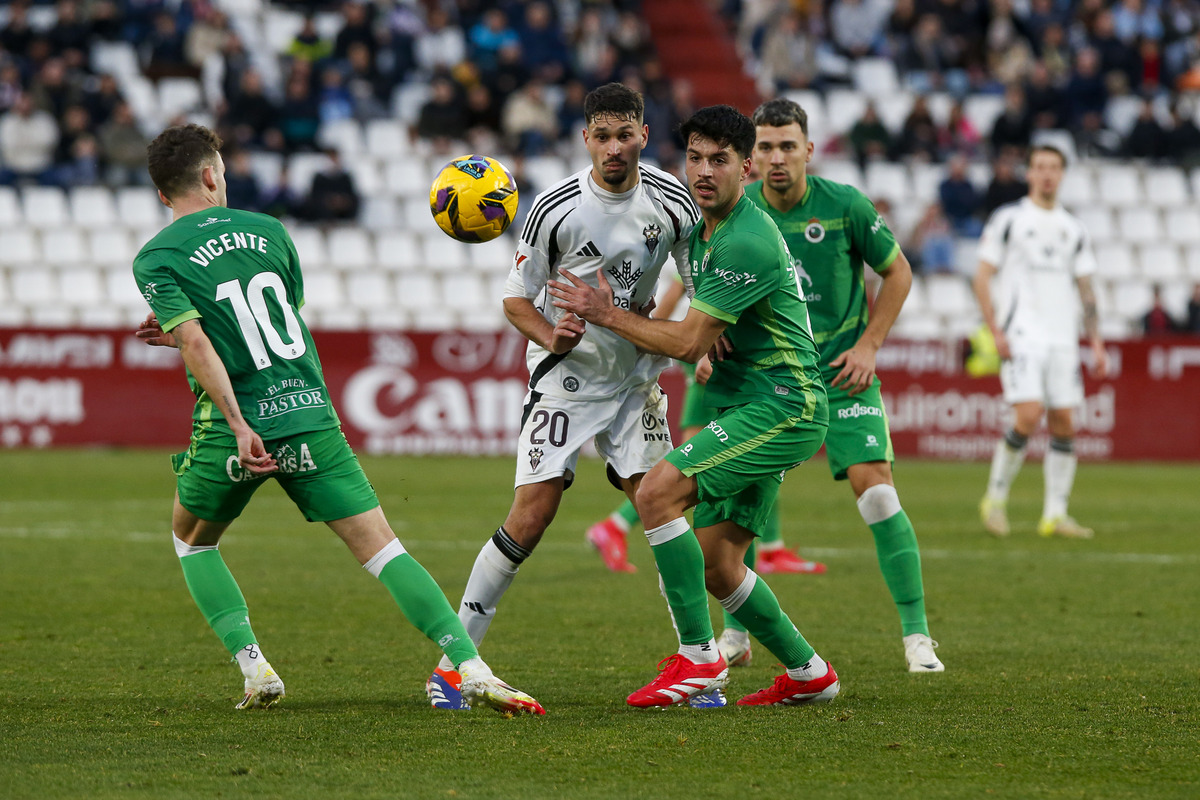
{"x":473,"y":198}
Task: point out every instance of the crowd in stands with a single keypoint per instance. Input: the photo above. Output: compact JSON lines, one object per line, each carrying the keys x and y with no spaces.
{"x":509,"y":78}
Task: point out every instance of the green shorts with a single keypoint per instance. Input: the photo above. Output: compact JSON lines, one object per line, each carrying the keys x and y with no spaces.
{"x":858,"y":429}
{"x":695,"y":413}
{"x":739,"y":461}
{"x":317,"y":469}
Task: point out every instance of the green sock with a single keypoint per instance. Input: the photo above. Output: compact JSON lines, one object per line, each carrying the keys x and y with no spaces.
{"x":900,"y":562}
{"x":765,"y":620}
{"x":681,"y":564}
{"x":751,"y":557}
{"x":218,"y":597}
{"x":424,"y":604}
{"x":628,"y":513}
{"x":772,"y":534}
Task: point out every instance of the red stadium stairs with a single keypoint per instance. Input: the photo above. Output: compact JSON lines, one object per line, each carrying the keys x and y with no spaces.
{"x":693,"y":42}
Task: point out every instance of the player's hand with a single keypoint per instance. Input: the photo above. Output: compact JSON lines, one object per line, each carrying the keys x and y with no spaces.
{"x":590,"y":303}
{"x":721,"y":348}
{"x":1002,"y":348}
{"x":567,"y":333}
{"x":253,"y":455}
{"x":857,"y":372}
{"x":1099,"y":361}
{"x":704,"y":370}
{"x":152,"y":333}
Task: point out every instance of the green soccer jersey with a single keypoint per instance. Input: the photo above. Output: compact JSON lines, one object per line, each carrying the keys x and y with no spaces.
{"x":743,"y":276}
{"x":830,"y":233}
{"x":238,"y":273}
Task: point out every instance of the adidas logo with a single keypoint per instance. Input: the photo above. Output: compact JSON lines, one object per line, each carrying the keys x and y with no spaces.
{"x":476,"y":607}
{"x":589,"y":249}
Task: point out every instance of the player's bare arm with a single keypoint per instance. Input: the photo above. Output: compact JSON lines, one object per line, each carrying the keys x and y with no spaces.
{"x":858,"y":363}
{"x":151,"y":332}
{"x":1091,"y":325}
{"x":686,"y":340}
{"x":558,"y":338}
{"x":208,"y":370}
{"x":982,"y":285}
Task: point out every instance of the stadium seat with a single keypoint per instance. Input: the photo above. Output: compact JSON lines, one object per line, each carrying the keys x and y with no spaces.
{"x":111,"y":246}
{"x":18,"y":247}
{"x":949,"y":296}
{"x":179,"y":96}
{"x":492,"y":258}
{"x":408,"y":177}
{"x":983,"y":110}
{"x":45,"y":206}
{"x":267,"y":167}
{"x":1140,"y":224}
{"x":1099,"y":222}
{"x":387,"y":319}
{"x":418,"y":291}
{"x":543,"y":172}
{"x":435,"y":318}
{"x":1183,"y":225}
{"x":323,"y":291}
{"x":1166,"y":187}
{"x":350,"y":248}
{"x":139,"y":207}
{"x":1131,"y":300}
{"x":280,"y":27}
{"x":407,"y":100}
{"x":103,"y":316}
{"x":887,"y":179}
{"x":893,"y":109}
{"x":399,"y":251}
{"x":367,"y":177}
{"x":467,"y":292}
{"x":118,"y":59}
{"x":1122,"y":112}
{"x":1119,"y":185}
{"x":1062,"y":140}
{"x":1078,"y":187}
{"x":342,"y":318}
{"x":843,"y":107}
{"x":83,"y":287}
{"x":35,"y":286}
{"x":310,"y":246}
{"x":443,"y":254}
{"x":1115,"y":261}
{"x":10,"y":208}
{"x":837,"y":169}
{"x":301,"y":167}
{"x":123,"y":293}
{"x":813,"y":105}
{"x":143,"y":99}
{"x":241,"y":7}
{"x":343,"y":135}
{"x":64,"y":246}
{"x":927,"y":181}
{"x":1192,"y":262}
{"x":370,"y":290}
{"x":1175,"y":297}
{"x":387,"y":139}
{"x":875,"y":77}
{"x":1160,"y":262}
{"x":966,"y":255}
{"x":379,"y":213}
{"x":93,"y":207}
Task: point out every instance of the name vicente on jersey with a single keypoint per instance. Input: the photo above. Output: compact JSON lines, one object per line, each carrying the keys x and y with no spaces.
{"x":219,"y":245}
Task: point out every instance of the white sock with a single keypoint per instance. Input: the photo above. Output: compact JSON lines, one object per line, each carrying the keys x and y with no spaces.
{"x":1059,"y":469}
{"x":706,"y":653}
{"x":1006,"y":463}
{"x":475,"y":666}
{"x":490,"y":578}
{"x":389,"y":551}
{"x":810,"y":670}
{"x":879,"y":502}
{"x":249,"y":658}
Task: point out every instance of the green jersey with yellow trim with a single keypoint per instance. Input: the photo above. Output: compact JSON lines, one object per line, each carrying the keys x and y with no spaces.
{"x":831,"y":233}
{"x":238,"y":273}
{"x":743,"y":276}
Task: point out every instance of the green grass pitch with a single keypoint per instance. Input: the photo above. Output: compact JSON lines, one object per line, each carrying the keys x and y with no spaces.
{"x":1071,"y":666}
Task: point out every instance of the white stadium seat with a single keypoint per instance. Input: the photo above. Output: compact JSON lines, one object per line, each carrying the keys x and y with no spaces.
{"x":343,"y":135}
{"x":123,"y":293}
{"x":887,"y":179}
{"x":844,"y":107}
{"x":407,"y":100}
{"x":876,"y":77}
{"x":1140,"y":224}
{"x":179,"y":96}
{"x":45,"y":206}
{"x":64,"y":246}
{"x":111,"y":246}
{"x":893,"y":109}
{"x":443,"y":254}
{"x":35,"y":286}
{"x":418,"y":291}
{"x":10,"y":208}
{"x":949,"y":296}
{"x":83,"y":287}
{"x":409,"y":177}
{"x":467,"y":292}
{"x":1183,"y":225}
{"x":494,"y":257}
{"x":310,"y":247}
{"x":1119,"y":185}
{"x":840,"y":170}
{"x":370,"y":290}
{"x":399,"y":251}
{"x":387,"y":139}
{"x":350,"y":248}
{"x":1160,"y":262}
{"x":1166,"y":187}
{"x":139,"y":207}
{"x":1132,"y":299}
{"x":301,"y":167}
{"x":18,"y":246}
{"x":1078,"y":187}
{"x":1099,"y":222}
{"x":379,"y":213}
{"x":1192,"y":262}
{"x":983,"y":110}
{"x":93,"y":207}
{"x":1115,"y":261}
{"x":323,"y":290}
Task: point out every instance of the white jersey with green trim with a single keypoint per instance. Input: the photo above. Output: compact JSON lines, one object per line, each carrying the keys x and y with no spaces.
{"x":1038,"y":254}
{"x":579,"y":226}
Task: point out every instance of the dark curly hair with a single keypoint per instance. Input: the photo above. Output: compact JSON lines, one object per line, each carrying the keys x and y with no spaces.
{"x":178,"y":155}
{"x":724,"y":125}
{"x":613,"y":100}
{"x":780,"y":112}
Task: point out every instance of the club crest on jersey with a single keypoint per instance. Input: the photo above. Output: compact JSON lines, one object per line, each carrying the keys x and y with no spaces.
{"x":652,"y":232}
{"x":704,"y":261}
{"x":535,"y":458}
{"x":814,"y":231}
{"x":625,"y":275}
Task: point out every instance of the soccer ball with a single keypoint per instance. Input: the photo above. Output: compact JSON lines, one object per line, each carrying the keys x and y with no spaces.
{"x":473,"y":198}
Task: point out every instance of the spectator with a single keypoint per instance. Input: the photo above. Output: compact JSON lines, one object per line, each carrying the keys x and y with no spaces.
{"x":1117,"y":59}
{"x":1146,"y":139}
{"x":509,"y":74}
{"x":959,"y":134}
{"x":570,"y":111}
{"x":930,"y":54}
{"x":528,"y":120}
{"x":28,"y":137}
{"x":1181,"y":142}
{"x":1056,"y":54}
{"x":280,"y":200}
{"x":869,"y":138}
{"x":591,"y":38}
{"x":70,"y":30}
{"x":52,"y":90}
{"x":442,"y":45}
{"x":332,"y":197}
{"x":398,"y":41}
{"x":919,"y":136}
{"x":542,"y":43}
{"x":489,"y":36}
{"x":1158,"y":321}
{"x":932,"y":241}
{"x":236,"y":62}
{"x":1193,"y":310}
{"x":356,"y":30}
{"x":207,"y":36}
{"x":1014,"y":127}
{"x":252,"y":118}
{"x":442,"y":116}
{"x":960,"y":199}
{"x":308,"y":44}
{"x":900,"y":27}
{"x":11,"y":85}
{"x":1043,"y":100}
{"x":82,"y":164}
{"x":241,"y":184}
{"x":1009,"y":54}
{"x":16,"y":36}
{"x":482,"y":118}
{"x":335,"y":101}
{"x":102,"y":99}
{"x":370,"y":89}
{"x":167,"y":58}
{"x":123,"y":147}
{"x":299,"y":116}
{"x":75,"y":125}
{"x":1086,"y":93}
{"x":856,"y":26}
{"x":1041,"y":15}
{"x":1133,"y":21}
{"x":1005,"y":187}
{"x":631,"y":40}
{"x":789,"y":55}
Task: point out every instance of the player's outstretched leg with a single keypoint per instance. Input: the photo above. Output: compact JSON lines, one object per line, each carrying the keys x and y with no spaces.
{"x":734,"y":641}
{"x":809,"y":678}
{"x":424,"y":605}
{"x":609,"y":537}
{"x":1059,"y":478}
{"x":1006,"y":463}
{"x":900,"y":563}
{"x":223,"y":605}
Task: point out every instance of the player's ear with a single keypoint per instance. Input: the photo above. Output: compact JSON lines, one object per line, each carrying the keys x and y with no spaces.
{"x":162,"y":198}
{"x":645,"y":136}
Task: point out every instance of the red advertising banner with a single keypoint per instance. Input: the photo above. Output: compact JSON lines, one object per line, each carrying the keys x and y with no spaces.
{"x":462,"y":392}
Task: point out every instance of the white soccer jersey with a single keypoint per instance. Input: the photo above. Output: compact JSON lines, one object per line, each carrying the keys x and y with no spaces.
{"x":577,"y":225}
{"x":1038,"y":253}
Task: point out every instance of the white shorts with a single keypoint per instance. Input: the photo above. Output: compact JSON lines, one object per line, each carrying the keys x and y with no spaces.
{"x":1048,"y":375}
{"x":630,"y":430}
